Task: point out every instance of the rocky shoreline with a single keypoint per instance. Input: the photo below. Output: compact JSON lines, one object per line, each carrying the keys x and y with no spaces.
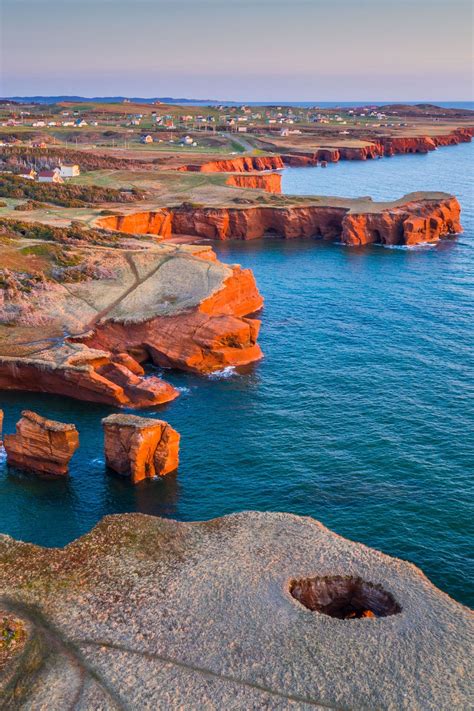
{"x":415,"y":218}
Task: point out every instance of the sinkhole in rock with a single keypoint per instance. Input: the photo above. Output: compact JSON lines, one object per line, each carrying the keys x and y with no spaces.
{"x":344,"y":597}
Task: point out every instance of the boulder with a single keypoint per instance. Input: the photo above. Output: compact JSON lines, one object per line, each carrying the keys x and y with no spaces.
{"x":140,"y":447}
{"x":41,"y":445}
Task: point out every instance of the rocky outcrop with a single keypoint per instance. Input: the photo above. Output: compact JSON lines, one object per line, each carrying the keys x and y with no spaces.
{"x":413,"y":223}
{"x":174,"y":306}
{"x":140,"y":447}
{"x":41,"y":445}
{"x":243,"y":164}
{"x":145,"y":612}
{"x":270,"y":182}
{"x":418,"y":217}
{"x":377,"y":148}
{"x":215,"y":335}
{"x":87,"y":374}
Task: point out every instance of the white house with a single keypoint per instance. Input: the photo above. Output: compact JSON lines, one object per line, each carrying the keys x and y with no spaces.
{"x":50,"y":176}
{"x":80,"y":123}
{"x":69,"y":171}
{"x":187,"y":141}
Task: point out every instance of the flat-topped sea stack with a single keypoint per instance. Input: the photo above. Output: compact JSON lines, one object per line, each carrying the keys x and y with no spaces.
{"x":41,"y":445}
{"x":415,"y":218}
{"x":85,"y":329}
{"x":144,"y":612}
{"x":140,"y":447}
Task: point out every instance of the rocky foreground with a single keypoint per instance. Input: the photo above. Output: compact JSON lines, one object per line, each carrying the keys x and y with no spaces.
{"x":254,"y":610}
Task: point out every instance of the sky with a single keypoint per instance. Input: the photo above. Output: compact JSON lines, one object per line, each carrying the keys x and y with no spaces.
{"x":243,"y":50}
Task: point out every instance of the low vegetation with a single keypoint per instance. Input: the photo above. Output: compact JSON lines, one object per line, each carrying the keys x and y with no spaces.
{"x":63,"y":194}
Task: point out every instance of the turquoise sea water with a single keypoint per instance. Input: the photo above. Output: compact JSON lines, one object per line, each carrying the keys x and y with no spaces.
{"x":361,"y":413}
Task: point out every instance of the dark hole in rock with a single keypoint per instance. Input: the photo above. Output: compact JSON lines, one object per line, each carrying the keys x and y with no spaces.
{"x":344,"y":597}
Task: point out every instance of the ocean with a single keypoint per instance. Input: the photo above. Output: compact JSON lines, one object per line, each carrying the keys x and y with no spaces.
{"x":360,"y":415}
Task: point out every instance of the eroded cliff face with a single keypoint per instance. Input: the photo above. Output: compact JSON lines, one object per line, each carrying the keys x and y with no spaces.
{"x":140,"y":447}
{"x":415,"y":218}
{"x":86,"y":374}
{"x":378,"y":148}
{"x":415,"y":222}
{"x":176,"y":306}
{"x":215,"y":335}
{"x":270,"y":182}
{"x":243,"y":164}
{"x":41,"y":445}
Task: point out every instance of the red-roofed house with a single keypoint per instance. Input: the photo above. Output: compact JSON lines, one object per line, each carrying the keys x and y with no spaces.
{"x":50,"y":176}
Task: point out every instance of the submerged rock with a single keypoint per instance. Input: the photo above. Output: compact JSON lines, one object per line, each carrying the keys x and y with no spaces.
{"x":140,"y":447}
{"x":149,"y":613}
{"x":41,"y":445}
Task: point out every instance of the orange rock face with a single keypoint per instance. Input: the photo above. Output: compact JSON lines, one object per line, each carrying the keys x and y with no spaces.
{"x":244,"y":164}
{"x":424,"y":219}
{"x":102,"y":379}
{"x":270,"y":182}
{"x":376,"y":148}
{"x":41,"y":445}
{"x":412,"y":223}
{"x":215,"y":335}
{"x":140,"y":447}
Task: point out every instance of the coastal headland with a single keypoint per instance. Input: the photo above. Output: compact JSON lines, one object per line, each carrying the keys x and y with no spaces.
{"x":111,"y":267}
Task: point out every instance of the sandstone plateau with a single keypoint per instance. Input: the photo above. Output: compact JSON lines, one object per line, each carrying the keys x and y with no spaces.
{"x":242,"y":612}
{"x":41,"y":445}
{"x":372,"y":147}
{"x":140,"y":447}
{"x":415,"y":218}
{"x":174,"y":306}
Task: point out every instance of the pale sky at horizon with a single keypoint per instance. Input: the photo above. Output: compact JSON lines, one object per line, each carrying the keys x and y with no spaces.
{"x":268,"y":50}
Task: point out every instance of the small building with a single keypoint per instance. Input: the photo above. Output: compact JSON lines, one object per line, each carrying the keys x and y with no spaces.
{"x":186,"y":141}
{"x":27,"y":174}
{"x":80,"y":123}
{"x":69,"y":171}
{"x":50,"y":176}
{"x":146,"y":139}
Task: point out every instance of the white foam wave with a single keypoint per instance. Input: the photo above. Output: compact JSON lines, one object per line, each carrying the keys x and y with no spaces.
{"x":223,"y":374}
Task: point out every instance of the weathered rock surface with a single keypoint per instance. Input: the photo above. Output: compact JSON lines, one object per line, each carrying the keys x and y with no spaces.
{"x":148,"y":613}
{"x":270,"y":182}
{"x":378,"y":147}
{"x":243,"y":164}
{"x":177,"y":306}
{"x":140,"y":447}
{"x":415,"y":218}
{"x":41,"y":445}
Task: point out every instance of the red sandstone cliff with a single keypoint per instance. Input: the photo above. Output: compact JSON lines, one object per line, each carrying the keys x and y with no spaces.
{"x":412,"y":223}
{"x":41,"y":445}
{"x":213,"y":336}
{"x":102,"y":377}
{"x":376,"y":148}
{"x":242,"y":164}
{"x":415,"y":218}
{"x":270,"y":182}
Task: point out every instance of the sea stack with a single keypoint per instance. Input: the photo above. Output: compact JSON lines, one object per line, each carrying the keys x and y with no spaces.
{"x":140,"y":447}
{"x":41,"y":445}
